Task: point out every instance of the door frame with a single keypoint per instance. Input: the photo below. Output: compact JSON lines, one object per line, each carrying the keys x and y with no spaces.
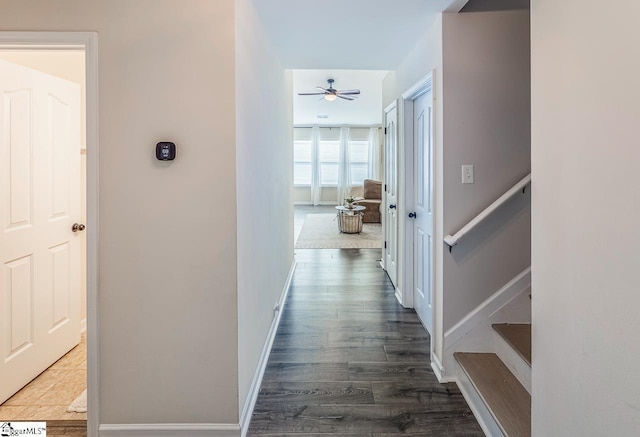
{"x":87,"y":41}
{"x":426,"y":84}
{"x":408,"y":97}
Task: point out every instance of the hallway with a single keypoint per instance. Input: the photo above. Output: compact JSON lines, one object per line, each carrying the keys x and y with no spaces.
{"x":349,"y":360}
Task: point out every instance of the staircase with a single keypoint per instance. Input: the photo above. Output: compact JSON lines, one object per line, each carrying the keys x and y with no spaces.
{"x":497,"y":385}
{"x":492,"y":359}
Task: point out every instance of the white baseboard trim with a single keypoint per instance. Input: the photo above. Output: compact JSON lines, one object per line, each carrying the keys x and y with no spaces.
{"x":170,"y":430}
{"x":252,"y":397}
{"x":83,"y":326}
{"x":308,"y":203}
{"x":438,"y":369}
{"x":474,"y":333}
{"x":399,"y":296}
{"x":488,"y":307}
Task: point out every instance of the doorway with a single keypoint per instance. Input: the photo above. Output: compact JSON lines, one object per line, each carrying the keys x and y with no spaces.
{"x":49,"y":277}
{"x":419,"y":193}
{"x":390,"y":204}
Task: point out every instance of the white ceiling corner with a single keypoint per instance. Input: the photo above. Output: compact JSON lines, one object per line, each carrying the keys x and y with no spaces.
{"x":353,"y":34}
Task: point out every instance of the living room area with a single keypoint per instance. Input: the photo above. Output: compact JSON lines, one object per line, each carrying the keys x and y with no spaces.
{"x":337,"y":158}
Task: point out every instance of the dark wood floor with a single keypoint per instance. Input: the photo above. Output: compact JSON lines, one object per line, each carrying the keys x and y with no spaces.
{"x":349,"y":360}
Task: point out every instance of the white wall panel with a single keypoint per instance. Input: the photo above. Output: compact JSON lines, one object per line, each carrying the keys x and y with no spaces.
{"x":18,"y":306}
{"x":19,"y":165}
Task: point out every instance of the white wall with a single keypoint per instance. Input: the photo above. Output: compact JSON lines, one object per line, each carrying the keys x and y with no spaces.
{"x":585,"y":259}
{"x":302,"y":196}
{"x":486,"y":124}
{"x":167,"y":256}
{"x":264,"y":184}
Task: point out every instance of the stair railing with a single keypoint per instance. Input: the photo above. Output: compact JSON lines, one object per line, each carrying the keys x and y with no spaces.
{"x":452,"y":240}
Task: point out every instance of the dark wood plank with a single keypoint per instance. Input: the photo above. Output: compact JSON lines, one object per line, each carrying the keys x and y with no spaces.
{"x":505,"y":397}
{"x":383,"y":315}
{"x":399,"y":372}
{"x":344,"y":393}
{"x":307,"y":419}
{"x":373,"y":338}
{"x":518,"y":336}
{"x":279,"y":434}
{"x":408,"y":353}
{"x":309,"y":372}
{"x":295,"y":340}
{"x":326,"y":354}
{"x":429,"y":394}
{"x":410,"y":328}
{"x":301,"y":326}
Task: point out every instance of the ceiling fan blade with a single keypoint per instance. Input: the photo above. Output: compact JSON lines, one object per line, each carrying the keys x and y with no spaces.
{"x":349,"y":92}
{"x":311,"y":94}
{"x":323,"y":89}
{"x":346,"y":97}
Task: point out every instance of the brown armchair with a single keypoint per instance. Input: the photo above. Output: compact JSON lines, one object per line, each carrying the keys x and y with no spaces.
{"x":371,"y":199}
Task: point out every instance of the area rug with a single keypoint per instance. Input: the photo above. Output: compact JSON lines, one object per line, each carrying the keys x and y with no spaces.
{"x":79,"y":405}
{"x":320,"y":231}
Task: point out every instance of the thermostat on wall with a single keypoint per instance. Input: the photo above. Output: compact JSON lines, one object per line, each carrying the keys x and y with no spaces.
{"x":165,"y":151}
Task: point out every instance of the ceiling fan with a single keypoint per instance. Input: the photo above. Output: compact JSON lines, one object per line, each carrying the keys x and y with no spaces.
{"x":332,"y":94}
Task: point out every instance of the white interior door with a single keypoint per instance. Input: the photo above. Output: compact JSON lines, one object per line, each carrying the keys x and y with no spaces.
{"x":391,"y":194}
{"x":423,"y":212}
{"x":39,"y":203}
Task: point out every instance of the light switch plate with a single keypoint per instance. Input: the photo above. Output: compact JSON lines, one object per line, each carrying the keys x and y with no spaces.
{"x":467,"y":174}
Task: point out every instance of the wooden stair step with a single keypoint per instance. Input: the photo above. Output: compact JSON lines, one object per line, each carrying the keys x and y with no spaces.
{"x":506,"y":399}
{"x":518,"y":336}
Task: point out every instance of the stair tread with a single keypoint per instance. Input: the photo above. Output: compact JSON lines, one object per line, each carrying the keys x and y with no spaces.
{"x":518,"y":336}
{"x":505,"y":397}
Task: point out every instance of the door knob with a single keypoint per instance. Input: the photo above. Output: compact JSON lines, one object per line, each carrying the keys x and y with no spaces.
{"x":412,"y":215}
{"x":77,"y":227}
{"x":392,"y":207}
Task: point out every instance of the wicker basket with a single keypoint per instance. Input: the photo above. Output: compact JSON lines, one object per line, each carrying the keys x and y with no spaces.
{"x":350,"y":223}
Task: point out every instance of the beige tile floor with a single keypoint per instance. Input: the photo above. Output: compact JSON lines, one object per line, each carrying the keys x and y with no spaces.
{"x":47,"y":397}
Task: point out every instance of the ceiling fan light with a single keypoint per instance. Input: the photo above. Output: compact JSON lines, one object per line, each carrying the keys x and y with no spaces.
{"x":330,"y":97}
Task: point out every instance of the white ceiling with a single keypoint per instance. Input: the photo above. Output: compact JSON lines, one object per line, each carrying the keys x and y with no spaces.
{"x":365,"y":110}
{"x":345,"y":40}
{"x":348,"y":34}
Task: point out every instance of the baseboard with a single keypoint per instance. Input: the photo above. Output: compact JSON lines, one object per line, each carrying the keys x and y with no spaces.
{"x":438,"y":369}
{"x":309,"y":203}
{"x":474,"y":333}
{"x":170,"y":430}
{"x":399,"y":297}
{"x":254,"y":389}
{"x":488,"y":307}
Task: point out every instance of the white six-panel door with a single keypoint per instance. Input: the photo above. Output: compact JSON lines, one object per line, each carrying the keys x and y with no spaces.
{"x":391,"y":195}
{"x":39,"y":203}
{"x":423,"y":201}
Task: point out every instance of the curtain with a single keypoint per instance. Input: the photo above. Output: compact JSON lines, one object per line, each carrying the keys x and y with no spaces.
{"x":344,"y":166}
{"x":316,"y":189}
{"x":373,"y":172}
